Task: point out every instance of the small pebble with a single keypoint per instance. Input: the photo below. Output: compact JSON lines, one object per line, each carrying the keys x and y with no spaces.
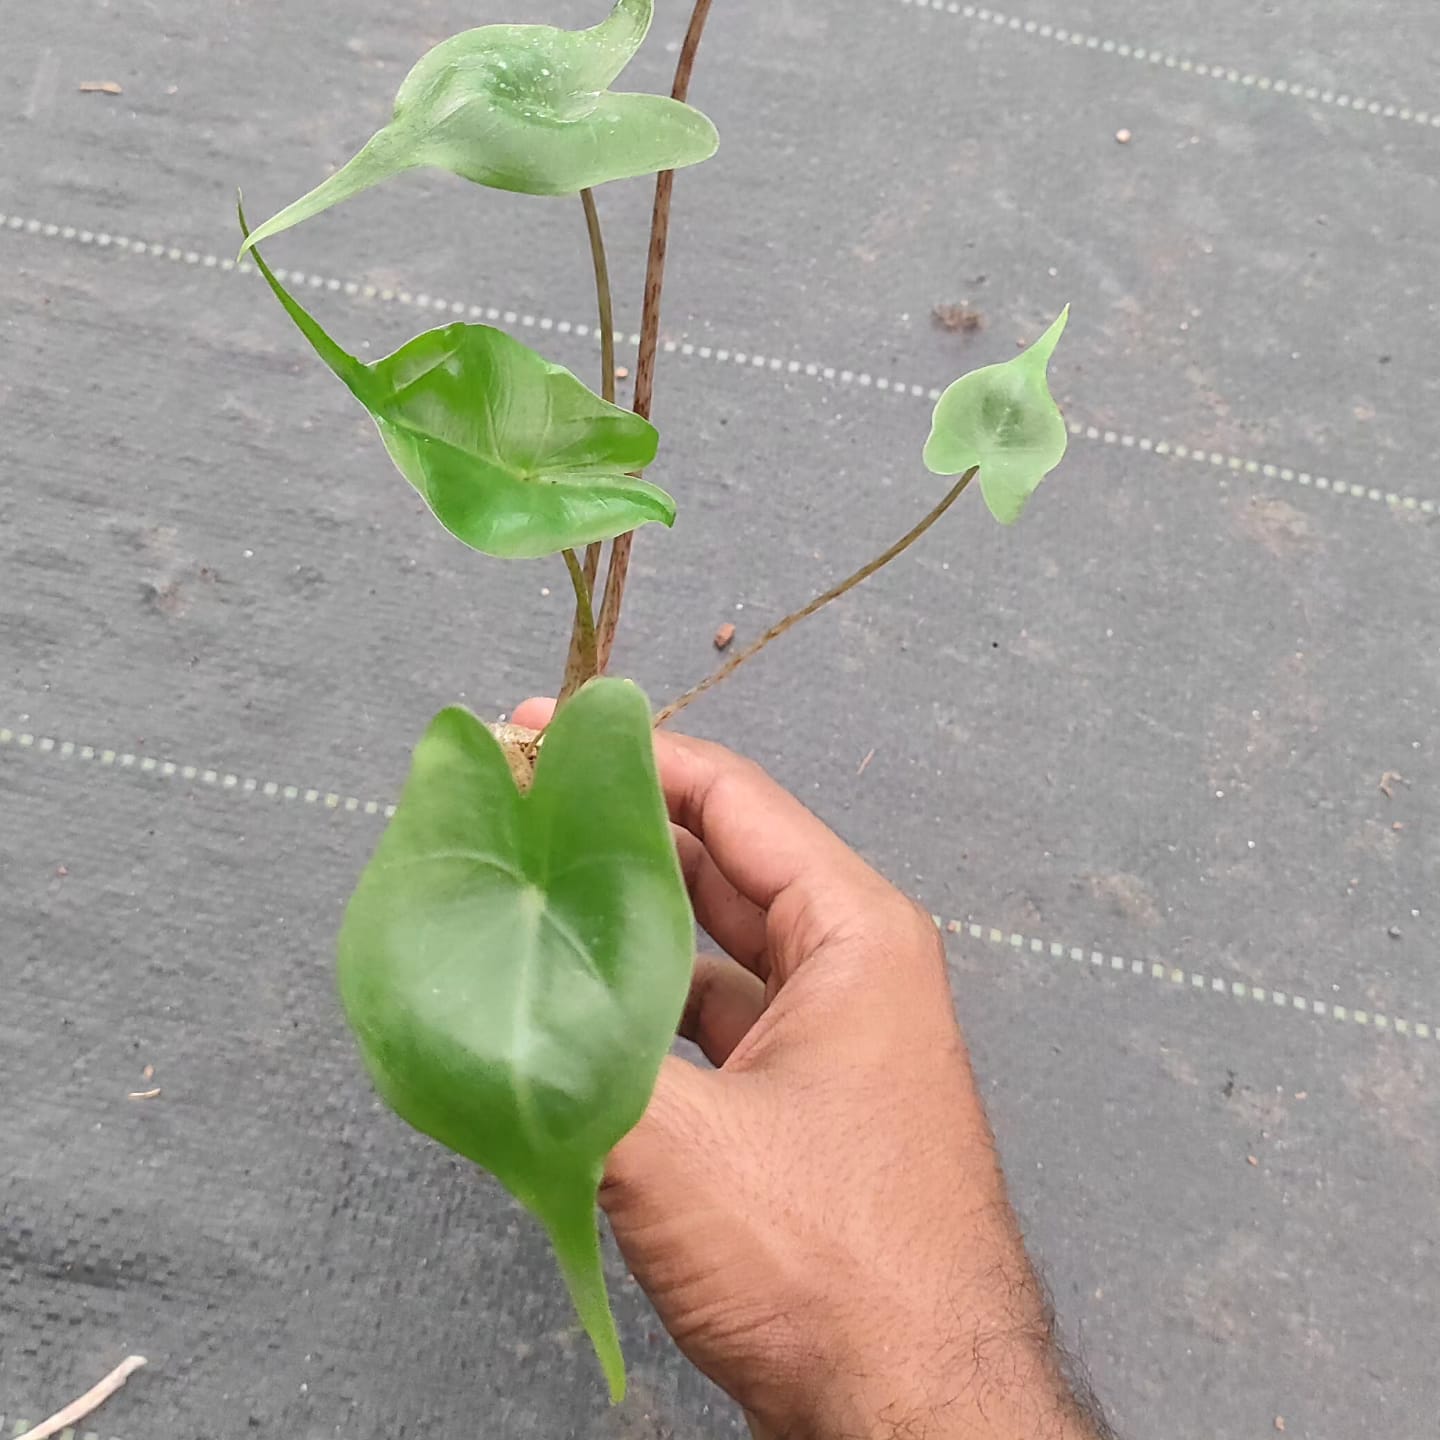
{"x":1393,"y":932}
{"x":1123,"y":136}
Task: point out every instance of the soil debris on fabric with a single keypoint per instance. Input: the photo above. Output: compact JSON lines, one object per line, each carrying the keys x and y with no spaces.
{"x":958,"y":319}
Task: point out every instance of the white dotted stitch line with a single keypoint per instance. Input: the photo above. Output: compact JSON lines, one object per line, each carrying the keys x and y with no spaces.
{"x":1219,"y":460}
{"x":158,"y":249}
{"x":1193,"y":980}
{"x":1392,"y":499}
{"x":194,"y":774}
{"x":1227,"y":74}
{"x":331,"y":800}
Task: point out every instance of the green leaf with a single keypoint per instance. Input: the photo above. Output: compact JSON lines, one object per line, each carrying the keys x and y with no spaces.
{"x":1002,"y":419}
{"x":523,"y":107}
{"x":514,"y":967}
{"x":515,"y":456}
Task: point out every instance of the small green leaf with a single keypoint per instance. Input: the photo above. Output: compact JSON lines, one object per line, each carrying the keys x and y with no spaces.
{"x":515,"y":456}
{"x":514,"y":967}
{"x":523,"y":107}
{"x":1002,"y":419}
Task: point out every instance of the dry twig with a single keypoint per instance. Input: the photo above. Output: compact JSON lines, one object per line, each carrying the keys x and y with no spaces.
{"x":89,"y":1402}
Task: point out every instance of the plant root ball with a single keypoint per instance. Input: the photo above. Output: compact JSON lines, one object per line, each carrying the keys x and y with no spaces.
{"x":521,"y":747}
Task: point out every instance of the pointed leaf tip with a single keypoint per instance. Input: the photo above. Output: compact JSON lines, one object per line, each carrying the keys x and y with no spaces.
{"x":1002,"y":419}
{"x":382,"y":156}
{"x":622,"y":32}
{"x":351,"y":371}
{"x":1044,"y":347}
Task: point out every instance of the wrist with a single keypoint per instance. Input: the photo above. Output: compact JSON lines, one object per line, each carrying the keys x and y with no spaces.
{"x":1001,"y":1378}
{"x":964,"y":1411}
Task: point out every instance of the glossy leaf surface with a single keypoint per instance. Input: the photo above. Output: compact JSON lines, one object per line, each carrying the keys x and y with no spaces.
{"x":515,"y":456}
{"x":523,"y":107}
{"x":1002,"y":419}
{"x":514,"y":966}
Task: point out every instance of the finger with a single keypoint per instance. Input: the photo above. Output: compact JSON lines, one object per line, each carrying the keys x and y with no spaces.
{"x":762,"y":839}
{"x":533,"y":714}
{"x":725,"y":1001}
{"x":736,"y":924}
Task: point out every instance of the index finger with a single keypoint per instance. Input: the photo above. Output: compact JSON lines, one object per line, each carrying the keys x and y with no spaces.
{"x":761,"y":837}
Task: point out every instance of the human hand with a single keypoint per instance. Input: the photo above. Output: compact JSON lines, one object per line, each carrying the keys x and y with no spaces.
{"x":821,"y":1222}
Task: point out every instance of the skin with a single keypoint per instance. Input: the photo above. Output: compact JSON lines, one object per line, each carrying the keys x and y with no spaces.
{"x":821,"y":1222}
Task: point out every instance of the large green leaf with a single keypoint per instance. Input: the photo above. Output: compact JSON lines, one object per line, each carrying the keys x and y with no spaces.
{"x":1002,"y":419}
{"x":515,"y":456}
{"x":523,"y":107}
{"x":514,"y":966}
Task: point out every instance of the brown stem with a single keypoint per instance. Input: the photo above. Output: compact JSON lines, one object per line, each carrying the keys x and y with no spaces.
{"x":804,"y":613}
{"x":607,"y":385}
{"x":581,"y":665}
{"x":649,"y":332}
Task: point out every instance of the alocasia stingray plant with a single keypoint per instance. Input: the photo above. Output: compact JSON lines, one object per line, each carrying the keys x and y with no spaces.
{"x":517,"y":954}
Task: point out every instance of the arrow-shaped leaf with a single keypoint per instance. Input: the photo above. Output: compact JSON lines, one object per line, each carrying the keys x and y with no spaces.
{"x":523,"y":107}
{"x":514,"y":966}
{"x":515,"y":456}
{"x":1002,"y":419}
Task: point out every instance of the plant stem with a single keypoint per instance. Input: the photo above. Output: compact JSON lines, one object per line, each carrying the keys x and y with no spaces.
{"x":602,"y":296}
{"x":660,"y":226}
{"x":607,"y":388}
{"x":581,"y":665}
{"x":819,"y":602}
{"x":649,"y":331}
